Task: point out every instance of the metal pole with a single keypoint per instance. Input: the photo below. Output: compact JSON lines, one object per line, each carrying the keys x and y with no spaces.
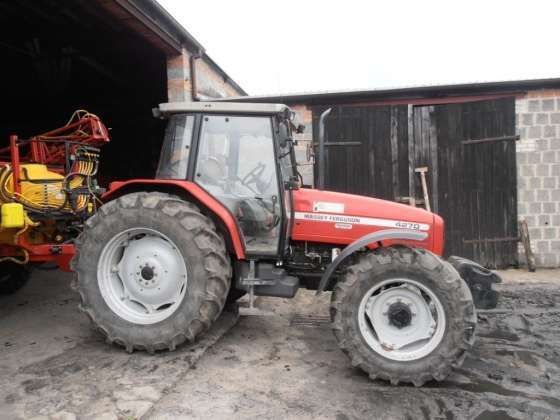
{"x":14,"y":151}
{"x":322,"y":163}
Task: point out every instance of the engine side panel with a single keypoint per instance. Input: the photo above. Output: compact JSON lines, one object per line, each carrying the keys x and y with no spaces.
{"x":337,"y":218}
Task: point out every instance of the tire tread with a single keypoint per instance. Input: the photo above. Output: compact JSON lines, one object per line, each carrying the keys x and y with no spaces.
{"x":207,"y":240}
{"x":415,"y":258}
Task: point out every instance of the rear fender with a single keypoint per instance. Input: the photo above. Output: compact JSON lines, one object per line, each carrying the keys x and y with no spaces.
{"x":382,"y":235}
{"x":217,"y":210}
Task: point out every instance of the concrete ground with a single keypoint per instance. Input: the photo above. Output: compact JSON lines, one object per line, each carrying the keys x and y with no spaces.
{"x":52,"y":365}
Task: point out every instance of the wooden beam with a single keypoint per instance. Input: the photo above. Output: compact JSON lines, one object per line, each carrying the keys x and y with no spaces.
{"x":340,"y":143}
{"x":411,"y":183}
{"x":489,"y":240}
{"x":434,"y":158}
{"x":524,"y":231}
{"x":395,"y":148}
{"x":422,"y":171}
{"x":490,"y":139}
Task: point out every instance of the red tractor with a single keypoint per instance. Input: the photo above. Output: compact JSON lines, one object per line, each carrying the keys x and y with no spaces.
{"x":226,"y":215}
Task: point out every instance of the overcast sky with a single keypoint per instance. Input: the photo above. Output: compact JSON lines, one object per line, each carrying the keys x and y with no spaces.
{"x":302,"y":45}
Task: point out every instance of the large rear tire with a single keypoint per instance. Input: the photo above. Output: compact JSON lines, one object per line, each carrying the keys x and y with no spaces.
{"x":13,"y":277}
{"x":152,"y":271}
{"x":403,"y":315}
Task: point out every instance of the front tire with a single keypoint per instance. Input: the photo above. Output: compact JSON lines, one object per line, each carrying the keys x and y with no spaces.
{"x":152,"y":271}
{"x":403,"y":315}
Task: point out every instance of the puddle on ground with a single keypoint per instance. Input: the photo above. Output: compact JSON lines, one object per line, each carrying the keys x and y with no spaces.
{"x":481,"y":386}
{"x":495,"y":415}
{"x":527,"y":357}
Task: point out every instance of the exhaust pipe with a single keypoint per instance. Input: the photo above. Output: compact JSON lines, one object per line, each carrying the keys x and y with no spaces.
{"x":321,"y":166}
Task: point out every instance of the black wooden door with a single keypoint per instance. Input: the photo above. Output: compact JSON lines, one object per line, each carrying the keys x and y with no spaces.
{"x":468,"y":149}
{"x":378,"y":165}
{"x":477,"y":185}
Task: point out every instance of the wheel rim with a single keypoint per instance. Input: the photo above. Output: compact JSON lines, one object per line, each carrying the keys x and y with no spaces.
{"x":401,"y":319}
{"x":142,"y":276}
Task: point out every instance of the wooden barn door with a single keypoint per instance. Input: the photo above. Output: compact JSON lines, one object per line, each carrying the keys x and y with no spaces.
{"x":469,"y":150}
{"x":366,"y":151}
{"x":477,"y":185}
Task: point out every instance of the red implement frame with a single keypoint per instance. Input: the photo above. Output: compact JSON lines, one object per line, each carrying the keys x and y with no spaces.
{"x":51,"y":149}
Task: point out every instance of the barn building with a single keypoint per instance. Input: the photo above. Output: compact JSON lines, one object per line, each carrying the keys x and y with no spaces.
{"x":492,"y":151}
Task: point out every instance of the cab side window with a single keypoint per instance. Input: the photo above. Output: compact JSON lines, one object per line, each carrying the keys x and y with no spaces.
{"x":175,"y":152}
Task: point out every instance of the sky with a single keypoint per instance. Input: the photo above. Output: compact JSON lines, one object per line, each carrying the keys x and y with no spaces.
{"x":288,"y":46}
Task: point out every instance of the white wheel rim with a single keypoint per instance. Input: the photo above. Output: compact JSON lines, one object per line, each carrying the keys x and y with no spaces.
{"x":142,"y":276}
{"x":401,"y":319}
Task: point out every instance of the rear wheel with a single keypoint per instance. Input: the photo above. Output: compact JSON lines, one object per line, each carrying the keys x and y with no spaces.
{"x":152,"y":271}
{"x":403,"y":315}
{"x":13,"y":277}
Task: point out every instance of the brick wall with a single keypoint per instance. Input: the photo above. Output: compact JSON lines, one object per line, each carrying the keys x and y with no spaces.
{"x":538,"y":172}
{"x":211,"y":84}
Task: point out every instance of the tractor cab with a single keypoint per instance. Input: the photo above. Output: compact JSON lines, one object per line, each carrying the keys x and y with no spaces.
{"x":242,"y":155}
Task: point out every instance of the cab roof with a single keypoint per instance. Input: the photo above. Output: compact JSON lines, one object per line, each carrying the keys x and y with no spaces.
{"x":219,"y":108}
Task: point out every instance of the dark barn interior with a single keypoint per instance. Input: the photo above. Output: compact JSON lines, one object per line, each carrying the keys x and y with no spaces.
{"x":60,"y":56}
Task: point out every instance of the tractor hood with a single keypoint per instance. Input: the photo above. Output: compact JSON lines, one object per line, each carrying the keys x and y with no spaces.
{"x":332,"y":217}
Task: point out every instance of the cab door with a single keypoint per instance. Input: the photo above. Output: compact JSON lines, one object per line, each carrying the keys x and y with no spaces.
{"x":236,"y":163}
{"x":288,"y":172}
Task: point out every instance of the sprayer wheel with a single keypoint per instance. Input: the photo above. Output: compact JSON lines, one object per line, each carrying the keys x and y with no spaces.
{"x":13,"y":277}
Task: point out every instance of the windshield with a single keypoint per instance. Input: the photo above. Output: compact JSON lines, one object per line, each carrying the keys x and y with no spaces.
{"x":175,"y":151}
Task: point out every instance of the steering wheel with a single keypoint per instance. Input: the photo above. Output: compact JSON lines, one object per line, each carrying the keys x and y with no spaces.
{"x":254,"y":175}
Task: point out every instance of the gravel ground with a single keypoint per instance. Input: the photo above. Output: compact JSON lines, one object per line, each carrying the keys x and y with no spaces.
{"x":286,"y":365}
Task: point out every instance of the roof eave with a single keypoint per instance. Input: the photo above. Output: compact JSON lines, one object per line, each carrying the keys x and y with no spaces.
{"x":429,"y":91}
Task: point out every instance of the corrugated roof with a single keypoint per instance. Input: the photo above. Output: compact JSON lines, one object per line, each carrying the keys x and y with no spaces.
{"x":419,"y":91}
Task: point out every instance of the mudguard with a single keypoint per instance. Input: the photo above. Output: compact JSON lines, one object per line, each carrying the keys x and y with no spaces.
{"x":411,"y":235}
{"x":479,"y":280}
{"x":118,"y":188}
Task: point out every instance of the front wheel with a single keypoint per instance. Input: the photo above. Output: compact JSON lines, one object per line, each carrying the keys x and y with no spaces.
{"x":152,"y":271}
{"x":403,"y":315}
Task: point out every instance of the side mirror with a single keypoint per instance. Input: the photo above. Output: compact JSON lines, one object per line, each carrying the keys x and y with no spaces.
{"x":292,"y":184}
{"x":288,"y":141}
